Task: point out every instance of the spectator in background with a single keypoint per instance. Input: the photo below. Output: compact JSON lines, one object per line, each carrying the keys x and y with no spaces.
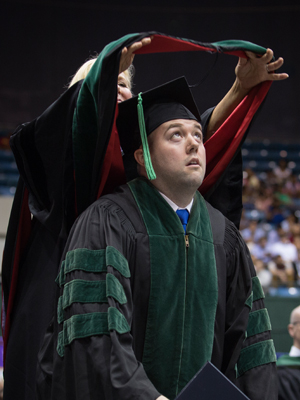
{"x":282,"y":172}
{"x":282,"y":271}
{"x":252,"y":180}
{"x":244,"y":221}
{"x":276,"y":213}
{"x":297,"y":268}
{"x":270,"y":178}
{"x":251,"y":185}
{"x":253,"y":233}
{"x":274,"y":235}
{"x":282,"y":195}
{"x":292,"y":186}
{"x":264,"y":275}
{"x":296,"y":241}
{"x":289,"y":365}
{"x":260,"y":250}
{"x":280,"y":224}
{"x":291,"y":226}
{"x":284,"y":248}
{"x":264,"y":201}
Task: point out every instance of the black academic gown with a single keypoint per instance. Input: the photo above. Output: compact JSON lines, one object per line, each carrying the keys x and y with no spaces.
{"x":61,"y":172}
{"x":288,"y":370}
{"x":115,"y":337}
{"x":51,"y":204}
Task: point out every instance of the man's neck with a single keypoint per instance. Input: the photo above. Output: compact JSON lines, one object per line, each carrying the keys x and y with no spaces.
{"x":175,"y":206}
{"x":181,"y":198}
{"x":179,"y":201}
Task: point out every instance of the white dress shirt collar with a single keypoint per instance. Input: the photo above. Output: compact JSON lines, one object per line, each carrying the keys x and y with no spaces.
{"x":295,"y":352}
{"x":175,"y":206}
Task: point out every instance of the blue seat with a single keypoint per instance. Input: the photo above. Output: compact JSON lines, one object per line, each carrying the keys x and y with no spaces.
{"x":7,"y":191}
{"x":8,"y":166}
{"x":6,"y":155}
{"x":9,"y":179}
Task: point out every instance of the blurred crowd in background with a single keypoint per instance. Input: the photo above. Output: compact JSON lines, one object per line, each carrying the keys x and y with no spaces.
{"x":270,"y":224}
{"x":270,"y":221}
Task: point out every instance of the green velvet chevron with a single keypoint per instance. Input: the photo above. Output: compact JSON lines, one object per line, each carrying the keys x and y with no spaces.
{"x":93,"y":261}
{"x":94,"y":291}
{"x":87,"y":325}
{"x":255,"y":355}
{"x":258,"y":322}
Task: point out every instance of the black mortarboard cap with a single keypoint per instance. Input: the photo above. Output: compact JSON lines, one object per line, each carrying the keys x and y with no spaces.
{"x":141,"y":115}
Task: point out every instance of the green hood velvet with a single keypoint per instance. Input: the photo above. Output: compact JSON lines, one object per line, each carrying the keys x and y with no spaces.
{"x":184,"y":290}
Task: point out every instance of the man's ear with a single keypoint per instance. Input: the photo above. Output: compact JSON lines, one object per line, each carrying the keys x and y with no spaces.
{"x":139,"y":157}
{"x":291,"y":330}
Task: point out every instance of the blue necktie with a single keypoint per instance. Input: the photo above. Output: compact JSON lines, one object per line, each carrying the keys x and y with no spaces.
{"x":183,"y":216}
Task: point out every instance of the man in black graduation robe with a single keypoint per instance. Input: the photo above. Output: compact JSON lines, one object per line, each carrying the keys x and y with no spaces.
{"x":288,"y":365}
{"x":62,"y":156}
{"x":142,"y":304}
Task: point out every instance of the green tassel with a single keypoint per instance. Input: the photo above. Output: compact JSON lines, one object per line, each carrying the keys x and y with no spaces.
{"x":146,"y":152}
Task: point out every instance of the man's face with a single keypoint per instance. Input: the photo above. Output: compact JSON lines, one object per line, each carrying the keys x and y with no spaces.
{"x":294,"y":330}
{"x":178,"y":155}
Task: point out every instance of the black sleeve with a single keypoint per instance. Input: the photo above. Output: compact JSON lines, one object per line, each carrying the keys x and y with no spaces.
{"x":226,"y":194}
{"x":288,"y":383}
{"x":205,"y":117}
{"x":93,"y":352}
{"x":256,"y":358}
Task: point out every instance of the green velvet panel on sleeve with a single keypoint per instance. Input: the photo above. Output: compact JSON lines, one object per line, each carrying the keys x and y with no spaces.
{"x":259,"y":321}
{"x":255,"y":355}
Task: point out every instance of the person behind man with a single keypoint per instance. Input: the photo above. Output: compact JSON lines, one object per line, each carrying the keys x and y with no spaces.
{"x":145,"y":300}
{"x":289,"y":365}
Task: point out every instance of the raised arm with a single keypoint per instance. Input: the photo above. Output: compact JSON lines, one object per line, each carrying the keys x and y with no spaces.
{"x":249,"y":72}
{"x":127,"y":55}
